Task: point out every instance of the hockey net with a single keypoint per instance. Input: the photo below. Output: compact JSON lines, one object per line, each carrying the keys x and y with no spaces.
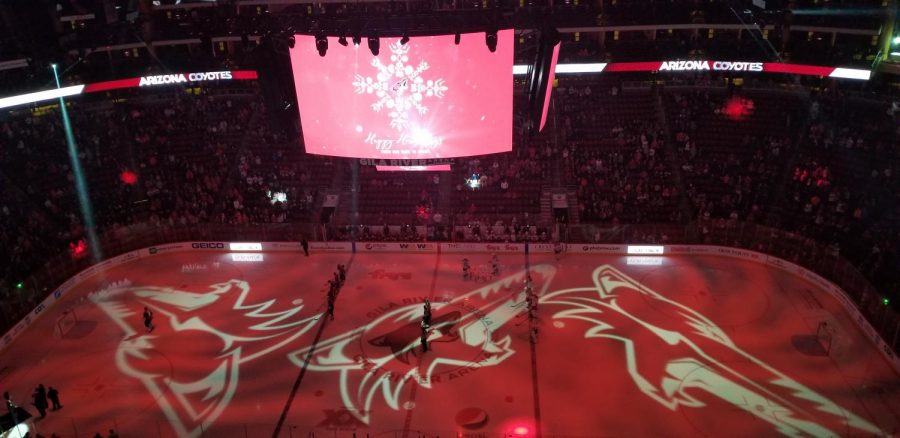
{"x":825,"y":335}
{"x":66,"y":322}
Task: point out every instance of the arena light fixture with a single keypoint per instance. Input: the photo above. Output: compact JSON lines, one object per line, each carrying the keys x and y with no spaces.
{"x":457,"y":38}
{"x":405,"y":39}
{"x":342,"y":40}
{"x":851,"y":73}
{"x":356,"y":40}
{"x":241,"y":257}
{"x":643,"y":261}
{"x":896,"y":40}
{"x":374,"y":45}
{"x":522,"y":69}
{"x":644,"y":249}
{"x":245,"y":246}
{"x":40,"y":96}
{"x":581,"y":68}
{"x":474,"y":181}
{"x":81,"y":188}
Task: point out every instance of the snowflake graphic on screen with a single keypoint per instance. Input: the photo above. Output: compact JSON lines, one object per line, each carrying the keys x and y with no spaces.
{"x":399,"y":87}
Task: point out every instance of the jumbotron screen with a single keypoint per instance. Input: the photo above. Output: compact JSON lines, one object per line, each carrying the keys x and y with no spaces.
{"x":428,"y":98}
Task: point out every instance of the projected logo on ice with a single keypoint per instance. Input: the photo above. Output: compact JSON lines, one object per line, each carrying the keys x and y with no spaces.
{"x":675,"y":356}
{"x":401,"y":90}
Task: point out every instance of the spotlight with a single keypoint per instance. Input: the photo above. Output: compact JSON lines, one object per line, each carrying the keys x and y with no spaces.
{"x":321,"y":44}
{"x":356,"y":40}
{"x":342,"y":41}
{"x":374,"y":45}
{"x":404,"y":40}
{"x":291,"y":42}
{"x":456,"y":38}
{"x":490,"y":38}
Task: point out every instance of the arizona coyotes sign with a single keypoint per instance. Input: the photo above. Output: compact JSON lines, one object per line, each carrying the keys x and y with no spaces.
{"x":674,"y":356}
{"x":711,"y":65}
{"x":184,"y":77}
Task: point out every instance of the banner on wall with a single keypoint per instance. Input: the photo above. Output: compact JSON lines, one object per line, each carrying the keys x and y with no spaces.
{"x":396,"y":246}
{"x":543,"y":247}
{"x":591,"y":248}
{"x":511,"y":248}
{"x":330,"y":246}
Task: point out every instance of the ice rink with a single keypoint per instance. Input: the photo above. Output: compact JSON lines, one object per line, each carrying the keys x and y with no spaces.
{"x":687,"y":346}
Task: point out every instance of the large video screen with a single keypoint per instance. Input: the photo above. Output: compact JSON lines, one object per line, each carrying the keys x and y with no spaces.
{"x":428,"y":98}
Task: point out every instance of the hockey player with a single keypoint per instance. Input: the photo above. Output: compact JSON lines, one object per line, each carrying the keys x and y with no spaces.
{"x":495,"y":266}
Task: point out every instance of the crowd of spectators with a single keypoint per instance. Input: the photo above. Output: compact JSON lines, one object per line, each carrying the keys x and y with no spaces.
{"x":731,"y":158}
{"x":614,"y":154}
{"x":397,"y":196}
{"x":844,"y":187}
{"x":507,"y":185}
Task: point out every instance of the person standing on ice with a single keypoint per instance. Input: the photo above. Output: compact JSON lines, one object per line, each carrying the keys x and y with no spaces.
{"x":495,"y":266}
{"x":466,"y":268}
{"x":331,"y":306}
{"x":148,"y":319}
{"x":53,"y":395}
{"x":426,"y":317}
{"x":39,"y":400}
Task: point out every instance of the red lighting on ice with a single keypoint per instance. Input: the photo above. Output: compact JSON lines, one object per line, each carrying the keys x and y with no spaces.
{"x":78,"y":249}
{"x":128,"y":177}
{"x":521,"y":430}
{"x":428,"y":98}
{"x":738,"y":108}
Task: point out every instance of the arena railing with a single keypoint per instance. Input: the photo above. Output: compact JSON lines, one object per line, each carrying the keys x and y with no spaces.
{"x":803,"y":251}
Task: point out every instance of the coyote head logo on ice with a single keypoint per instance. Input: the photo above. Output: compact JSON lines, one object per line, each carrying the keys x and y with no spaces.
{"x":467,"y":333}
{"x":193,"y":404}
{"x":679,"y":358}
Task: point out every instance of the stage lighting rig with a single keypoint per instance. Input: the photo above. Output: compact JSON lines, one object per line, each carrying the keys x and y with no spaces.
{"x":356,"y":40}
{"x":342,"y":40}
{"x":321,"y":44}
{"x":490,"y":38}
{"x":374,"y":45}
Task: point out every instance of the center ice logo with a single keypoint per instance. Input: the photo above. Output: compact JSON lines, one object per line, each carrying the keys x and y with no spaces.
{"x":468,"y":333}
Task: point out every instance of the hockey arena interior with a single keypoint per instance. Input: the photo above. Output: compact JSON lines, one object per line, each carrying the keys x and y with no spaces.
{"x":449,"y":218}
